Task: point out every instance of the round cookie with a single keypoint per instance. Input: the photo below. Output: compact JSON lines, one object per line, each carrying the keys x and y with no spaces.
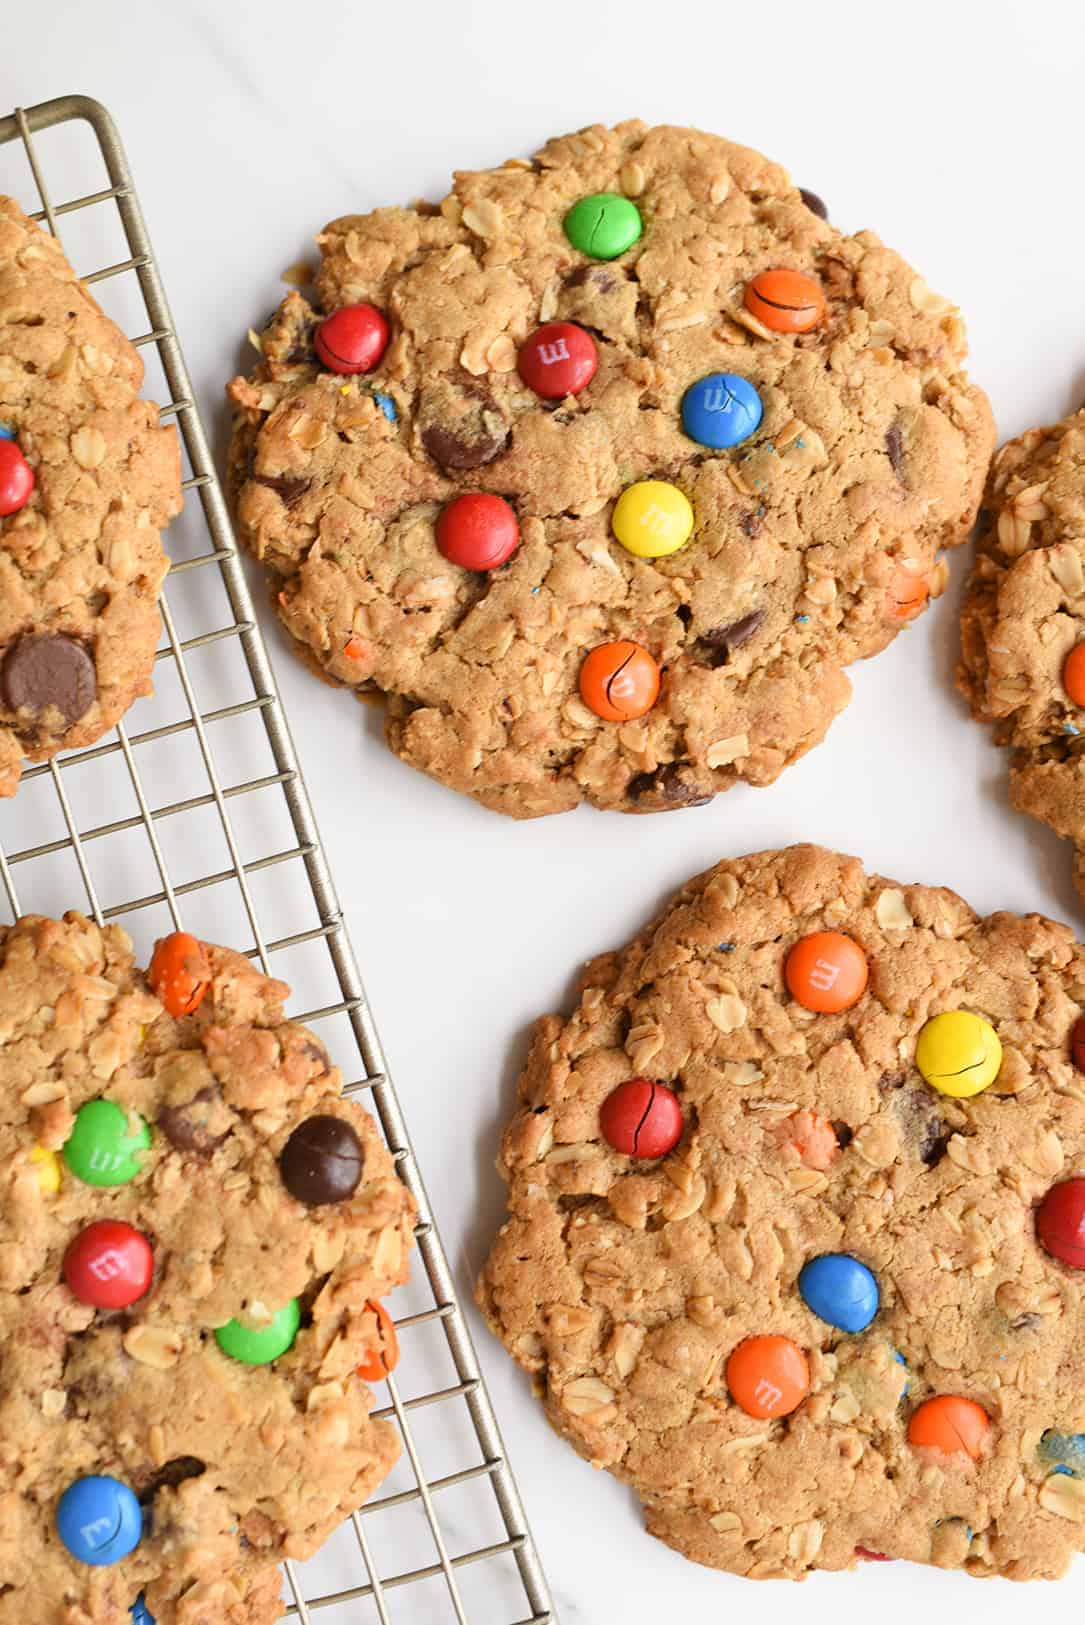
{"x":1023,"y":621}
{"x":88,"y":479}
{"x":841,"y":1318}
{"x":224,"y":1395}
{"x":859,"y":452}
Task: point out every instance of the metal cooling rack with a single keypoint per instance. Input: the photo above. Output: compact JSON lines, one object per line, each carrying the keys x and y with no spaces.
{"x":446,"y":1537}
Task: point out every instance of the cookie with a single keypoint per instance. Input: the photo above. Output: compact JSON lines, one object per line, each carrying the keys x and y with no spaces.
{"x":1023,"y":621}
{"x":88,"y":479}
{"x":711,"y":425}
{"x":796,"y":1224}
{"x":196,"y":1230}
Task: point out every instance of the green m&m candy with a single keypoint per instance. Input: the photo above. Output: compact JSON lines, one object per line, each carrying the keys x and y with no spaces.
{"x":254,"y":1345}
{"x":100,"y":1150}
{"x":603,"y":225}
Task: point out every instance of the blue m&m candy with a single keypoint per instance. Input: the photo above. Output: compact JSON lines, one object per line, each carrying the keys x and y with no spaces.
{"x":1065,"y":1449}
{"x":840,"y":1290}
{"x":6,"y":432}
{"x":99,"y":1520}
{"x":141,"y":1614}
{"x":721,"y":410}
{"x":386,"y":404}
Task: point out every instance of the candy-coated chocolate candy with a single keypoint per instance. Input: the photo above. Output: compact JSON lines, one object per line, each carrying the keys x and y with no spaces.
{"x":813,"y":1137}
{"x":900,"y":1360}
{"x":603,"y":225}
{"x":99,"y":1520}
{"x":16,"y":479}
{"x":1077,"y":1043}
{"x":101,"y":1149}
{"x":109,"y":1264}
{"x":477,"y":531}
{"x":385,"y":1355}
{"x":641,"y":1119}
{"x":951,"y":1425}
{"x":1073,"y":673}
{"x":260,"y":1345}
{"x":906,"y":594}
{"x":768,"y":1376}
{"x":826,"y":972}
{"x":1067,"y":1449}
{"x":322,"y":1161}
{"x":871,"y":1557}
{"x":721,"y":410}
{"x":959,"y":1054}
{"x":141,"y":1615}
{"x":47,"y":1164}
{"x":6,"y":432}
{"x":785,"y":301}
{"x":652,"y":518}
{"x":180,"y":972}
{"x":352,"y":339}
{"x":839,"y":1290}
{"x":386,"y":404}
{"x":814,"y":203}
{"x":1060,"y":1222}
{"x":619,"y":681}
{"x":558,"y":360}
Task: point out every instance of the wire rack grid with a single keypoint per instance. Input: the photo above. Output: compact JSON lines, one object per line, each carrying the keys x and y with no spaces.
{"x":118,"y":824}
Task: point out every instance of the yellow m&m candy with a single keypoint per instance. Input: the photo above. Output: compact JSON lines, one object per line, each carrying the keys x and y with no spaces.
{"x":652,"y":519}
{"x":48,"y":1166}
{"x":958,"y":1053}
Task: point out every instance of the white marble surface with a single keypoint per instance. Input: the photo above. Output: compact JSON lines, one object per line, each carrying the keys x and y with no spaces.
{"x":954,"y":131}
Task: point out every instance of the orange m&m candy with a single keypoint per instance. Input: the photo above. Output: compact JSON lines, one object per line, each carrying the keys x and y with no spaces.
{"x":768,"y":1376}
{"x":906,"y":595}
{"x":619,"y":681}
{"x":813,"y":1137}
{"x":385,"y":1356}
{"x":827,"y":972}
{"x":951,"y":1425}
{"x":1073,"y":674}
{"x":785,"y":301}
{"x":179,"y":972}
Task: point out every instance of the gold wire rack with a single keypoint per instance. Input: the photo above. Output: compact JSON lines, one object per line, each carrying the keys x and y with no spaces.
{"x":114,"y":829}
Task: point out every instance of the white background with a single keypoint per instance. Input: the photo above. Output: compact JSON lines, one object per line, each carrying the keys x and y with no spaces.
{"x":954,"y":131}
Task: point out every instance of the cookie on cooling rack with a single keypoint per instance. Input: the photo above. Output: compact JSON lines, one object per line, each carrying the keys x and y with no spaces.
{"x":88,"y":479}
{"x":1023,"y":624}
{"x":605,"y":468}
{"x":796,"y":1241}
{"x":196,"y":1231}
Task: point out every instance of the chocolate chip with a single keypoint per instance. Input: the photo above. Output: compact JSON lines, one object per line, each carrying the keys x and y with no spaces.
{"x":290,"y":487}
{"x":1025,"y":1323}
{"x":186,"y":1127}
{"x":591,"y":276}
{"x":734,"y":633}
{"x":923,"y":1124}
{"x":750,"y":523}
{"x":167,"y":1477}
{"x":49,"y":669}
{"x":459,"y":423}
{"x":845,"y":1134}
{"x":669,"y":786}
{"x":452,"y":451}
{"x":814,"y":203}
{"x":894,"y":445}
{"x":322,"y":1161}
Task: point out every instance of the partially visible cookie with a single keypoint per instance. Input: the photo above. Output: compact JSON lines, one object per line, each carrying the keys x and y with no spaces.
{"x":691,"y":422}
{"x":796,"y":1232}
{"x":196,"y":1231}
{"x":88,"y":479}
{"x":1023,"y":618}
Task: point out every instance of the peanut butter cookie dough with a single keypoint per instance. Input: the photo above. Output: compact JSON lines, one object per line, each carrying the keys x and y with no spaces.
{"x":196,"y":1230}
{"x":796,"y":1224}
{"x":88,"y":479}
{"x":655,"y":315}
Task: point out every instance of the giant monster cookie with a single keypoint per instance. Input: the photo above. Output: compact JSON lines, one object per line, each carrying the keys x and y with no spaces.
{"x":1024,"y":618}
{"x":236,"y":1466}
{"x":626,"y":1284}
{"x":88,"y":479}
{"x":814,"y":539}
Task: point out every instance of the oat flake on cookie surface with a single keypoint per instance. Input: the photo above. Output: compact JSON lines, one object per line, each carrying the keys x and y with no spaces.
{"x":224,"y":1114}
{"x":88,"y":480}
{"x":815,"y":529}
{"x":663,"y":1301}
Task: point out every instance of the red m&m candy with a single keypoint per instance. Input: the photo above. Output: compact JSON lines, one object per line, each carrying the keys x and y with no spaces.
{"x":1060,"y":1222}
{"x":384,"y":1358}
{"x":558,"y":360}
{"x":1077,"y":1043}
{"x":109,"y":1265}
{"x":352,"y":339}
{"x":16,"y":479}
{"x":641,"y":1119}
{"x":478,"y":531}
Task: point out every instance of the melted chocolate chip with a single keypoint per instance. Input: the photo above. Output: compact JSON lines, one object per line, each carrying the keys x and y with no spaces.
{"x":750,"y":523}
{"x":1025,"y":1323}
{"x":894,"y":445}
{"x":291,"y":488}
{"x":49,"y":669}
{"x":669,"y":786}
{"x":322,"y":1161}
{"x":453,"y":451}
{"x":592,"y":276}
{"x":460,"y":424}
{"x":734,"y":633}
{"x":845,"y":1134}
{"x":814,"y":203}
{"x":185,"y":1127}
{"x":923,"y":1125}
{"x":167,"y":1477}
